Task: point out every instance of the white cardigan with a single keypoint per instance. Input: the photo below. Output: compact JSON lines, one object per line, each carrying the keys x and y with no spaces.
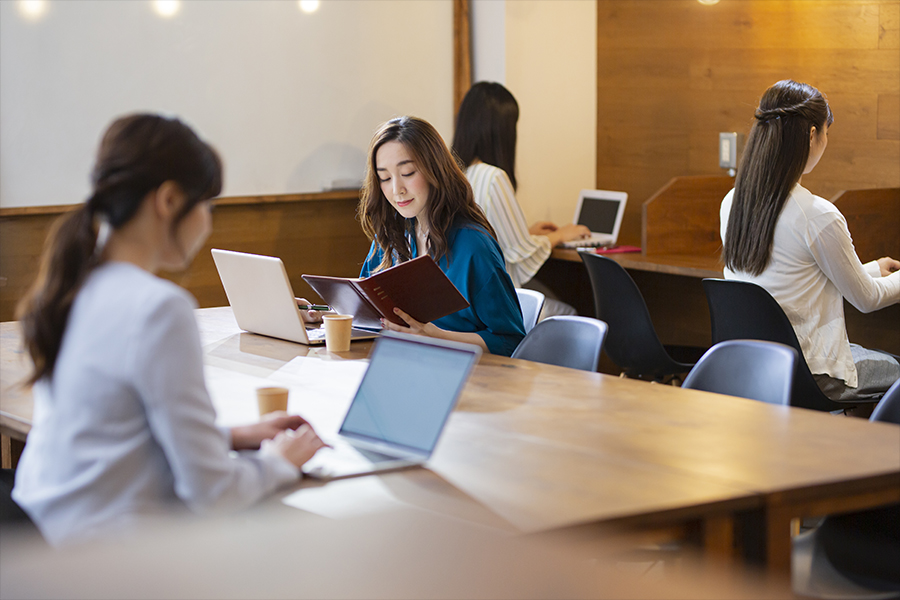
{"x":125,"y":428}
{"x":813,"y":267}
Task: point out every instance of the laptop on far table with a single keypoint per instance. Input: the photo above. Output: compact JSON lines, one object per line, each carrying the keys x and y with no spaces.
{"x":600,"y":211}
{"x":400,"y":408}
{"x":262,"y":299}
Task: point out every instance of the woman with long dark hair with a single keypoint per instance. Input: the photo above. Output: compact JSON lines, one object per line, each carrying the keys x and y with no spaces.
{"x":796,"y":245}
{"x":416,"y":201}
{"x":485,"y":142}
{"x":123,"y":424}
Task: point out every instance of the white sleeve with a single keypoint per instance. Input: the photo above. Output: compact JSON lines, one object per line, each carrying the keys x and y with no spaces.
{"x":832,"y":247}
{"x":169,"y":379}
{"x":872,"y":268}
{"x":524,"y":253}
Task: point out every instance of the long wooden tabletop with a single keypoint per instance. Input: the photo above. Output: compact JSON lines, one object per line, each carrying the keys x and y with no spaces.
{"x":533,"y":447}
{"x":689,"y":265}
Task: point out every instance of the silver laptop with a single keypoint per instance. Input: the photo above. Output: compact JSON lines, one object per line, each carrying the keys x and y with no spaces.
{"x":400,"y":408}
{"x":600,"y":211}
{"x":261,"y":296}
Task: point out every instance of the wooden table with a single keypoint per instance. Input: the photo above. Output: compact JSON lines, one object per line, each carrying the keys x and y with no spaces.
{"x":681,"y":245}
{"x":669,"y":283}
{"x":535,"y":448}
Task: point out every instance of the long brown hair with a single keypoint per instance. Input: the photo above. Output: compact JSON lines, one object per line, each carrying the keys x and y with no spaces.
{"x":450,"y":196}
{"x":137,"y":154}
{"x":774,"y":159}
{"x":486,"y":127}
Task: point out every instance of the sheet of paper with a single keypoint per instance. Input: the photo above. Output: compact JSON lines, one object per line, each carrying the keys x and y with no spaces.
{"x":320,"y":390}
{"x":345,"y":498}
{"x":233,"y":395}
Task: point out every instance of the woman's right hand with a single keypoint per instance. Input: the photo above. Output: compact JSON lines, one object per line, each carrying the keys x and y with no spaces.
{"x":888,"y":265}
{"x":297,"y":446}
{"x":309,"y":316}
{"x":567,"y":233}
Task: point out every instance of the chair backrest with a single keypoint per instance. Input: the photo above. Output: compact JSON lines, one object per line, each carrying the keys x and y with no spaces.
{"x":888,"y":409}
{"x":744,"y":310}
{"x":751,"y":369}
{"x":632,"y":342}
{"x":531,"y":302}
{"x":565,"y":341}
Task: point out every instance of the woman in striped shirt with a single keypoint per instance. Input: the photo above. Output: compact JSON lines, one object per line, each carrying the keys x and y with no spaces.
{"x":485,"y":141}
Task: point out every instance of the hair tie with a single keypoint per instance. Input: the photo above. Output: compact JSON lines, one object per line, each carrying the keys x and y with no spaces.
{"x":104,"y":229}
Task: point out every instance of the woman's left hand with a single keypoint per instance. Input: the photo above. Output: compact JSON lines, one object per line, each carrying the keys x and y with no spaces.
{"x":249,"y":437}
{"x":413,"y":326}
{"x":888,"y":265}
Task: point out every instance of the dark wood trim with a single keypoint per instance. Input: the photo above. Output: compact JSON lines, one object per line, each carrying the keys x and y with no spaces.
{"x":20,"y":211}
{"x":462,"y":52}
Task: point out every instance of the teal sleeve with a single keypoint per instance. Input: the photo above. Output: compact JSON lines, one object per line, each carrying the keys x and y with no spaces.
{"x":373,"y":259}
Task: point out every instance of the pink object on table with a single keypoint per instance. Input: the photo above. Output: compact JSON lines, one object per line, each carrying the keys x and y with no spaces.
{"x":617,"y":249}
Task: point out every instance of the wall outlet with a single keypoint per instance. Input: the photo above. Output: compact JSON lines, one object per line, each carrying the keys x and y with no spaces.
{"x":728,"y":150}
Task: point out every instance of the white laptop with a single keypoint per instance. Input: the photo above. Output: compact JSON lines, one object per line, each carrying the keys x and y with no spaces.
{"x":261,"y":296}
{"x":400,"y":408}
{"x":600,"y":211}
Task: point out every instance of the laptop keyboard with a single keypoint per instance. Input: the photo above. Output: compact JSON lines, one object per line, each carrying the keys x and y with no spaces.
{"x":342,"y":450}
{"x":317,"y":333}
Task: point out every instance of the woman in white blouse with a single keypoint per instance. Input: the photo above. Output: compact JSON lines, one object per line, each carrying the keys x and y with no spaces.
{"x":123,"y":425}
{"x":485,"y":142}
{"x":796,"y":245}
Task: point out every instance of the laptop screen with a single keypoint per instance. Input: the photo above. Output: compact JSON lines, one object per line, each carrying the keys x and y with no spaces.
{"x":599,"y":214}
{"x":407,"y":393}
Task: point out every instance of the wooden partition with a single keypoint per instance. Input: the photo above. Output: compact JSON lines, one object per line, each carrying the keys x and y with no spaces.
{"x":673,"y":74}
{"x":873,"y":217}
{"x":311,"y":233}
{"x":682,"y":218}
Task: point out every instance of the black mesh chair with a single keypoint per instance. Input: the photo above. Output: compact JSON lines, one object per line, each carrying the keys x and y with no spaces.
{"x":565,"y":341}
{"x":531,"y":302}
{"x":632,"y":342}
{"x":743,"y":310}
{"x":751,"y":369}
{"x":854,"y":555}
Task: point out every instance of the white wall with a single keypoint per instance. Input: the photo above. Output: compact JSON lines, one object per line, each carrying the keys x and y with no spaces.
{"x":488,"y":27}
{"x":290,"y":100}
{"x":551,"y":69}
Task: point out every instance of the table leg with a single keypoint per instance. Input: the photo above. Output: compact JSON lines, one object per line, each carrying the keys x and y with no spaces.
{"x":10,"y":451}
{"x":778,"y":540}
{"x":718,"y":538}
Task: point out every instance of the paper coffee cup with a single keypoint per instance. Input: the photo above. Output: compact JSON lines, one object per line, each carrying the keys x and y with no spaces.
{"x":271,"y":399}
{"x":337,"y":332}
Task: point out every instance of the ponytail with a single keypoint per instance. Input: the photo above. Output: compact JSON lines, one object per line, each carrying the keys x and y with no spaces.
{"x":774,"y":160}
{"x":138,"y":153}
{"x":67,"y":260}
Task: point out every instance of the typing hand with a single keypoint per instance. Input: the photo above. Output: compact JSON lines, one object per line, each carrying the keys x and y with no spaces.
{"x":309,"y":316}
{"x":297,"y":446}
{"x":249,"y":437}
{"x":888,"y":265}
{"x":567,"y":233}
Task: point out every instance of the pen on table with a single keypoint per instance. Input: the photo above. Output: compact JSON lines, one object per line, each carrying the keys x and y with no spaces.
{"x":313,"y":307}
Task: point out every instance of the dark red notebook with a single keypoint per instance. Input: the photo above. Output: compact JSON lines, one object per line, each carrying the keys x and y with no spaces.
{"x":418,"y":287}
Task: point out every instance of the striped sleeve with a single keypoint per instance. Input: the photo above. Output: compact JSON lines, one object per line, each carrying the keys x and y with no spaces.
{"x":523,"y":253}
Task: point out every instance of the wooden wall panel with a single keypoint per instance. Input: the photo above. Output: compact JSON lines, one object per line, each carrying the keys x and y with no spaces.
{"x":889,"y":117}
{"x":672,"y":74}
{"x":889,"y":21}
{"x":311,"y":233}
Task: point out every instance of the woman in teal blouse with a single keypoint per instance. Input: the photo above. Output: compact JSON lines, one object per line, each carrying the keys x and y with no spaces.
{"x":416,"y":201}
